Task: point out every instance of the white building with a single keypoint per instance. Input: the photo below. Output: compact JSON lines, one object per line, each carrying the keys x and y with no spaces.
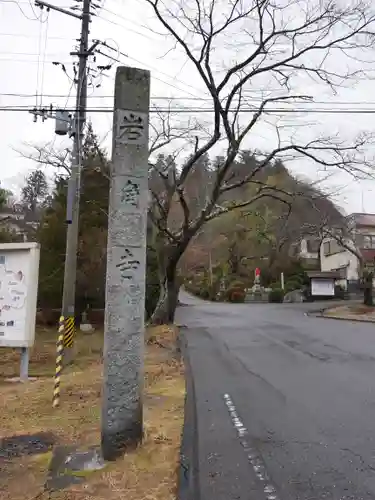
{"x":307,"y":250}
{"x":361,"y":239}
{"x":18,"y":220}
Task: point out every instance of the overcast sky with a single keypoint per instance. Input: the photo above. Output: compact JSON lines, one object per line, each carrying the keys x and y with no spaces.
{"x":30,"y":41}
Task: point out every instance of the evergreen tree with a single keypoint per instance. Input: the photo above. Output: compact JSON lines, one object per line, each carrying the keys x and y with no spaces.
{"x":35,"y":190}
{"x":92,"y":245}
{"x":3,"y":198}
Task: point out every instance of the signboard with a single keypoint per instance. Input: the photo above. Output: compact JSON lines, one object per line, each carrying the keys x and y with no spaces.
{"x":323,"y":287}
{"x":19,"y":270}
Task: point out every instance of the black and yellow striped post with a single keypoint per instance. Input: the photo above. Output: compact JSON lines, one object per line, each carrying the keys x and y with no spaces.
{"x":69,"y":332}
{"x":59,"y":362}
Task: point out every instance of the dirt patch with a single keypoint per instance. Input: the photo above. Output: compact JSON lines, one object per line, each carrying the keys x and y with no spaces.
{"x":353,"y":312}
{"x":25,"y":409}
{"x":25,"y":444}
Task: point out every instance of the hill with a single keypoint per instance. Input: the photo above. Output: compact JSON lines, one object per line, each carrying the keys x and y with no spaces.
{"x":266,"y":233}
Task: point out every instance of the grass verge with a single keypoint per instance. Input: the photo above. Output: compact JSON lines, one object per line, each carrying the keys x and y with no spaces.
{"x":149,"y":472}
{"x":356,"y":312}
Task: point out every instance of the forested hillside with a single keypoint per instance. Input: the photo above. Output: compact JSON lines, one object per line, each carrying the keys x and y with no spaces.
{"x":263,"y":235}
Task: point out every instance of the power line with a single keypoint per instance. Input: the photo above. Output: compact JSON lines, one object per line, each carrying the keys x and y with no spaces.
{"x":31,"y":53}
{"x":36,"y":18}
{"x":99,"y":17}
{"x":35,"y":14}
{"x":44,"y":55}
{"x":183,"y":98}
{"x":171,"y":98}
{"x":23,"y":35}
{"x":40,"y":69}
{"x":119,"y":52}
{"x":32,"y":61}
{"x":153,"y":39}
{"x":131,"y":21}
{"x":117,"y":59}
{"x":67,"y":97}
{"x":128,"y":21}
{"x":109,"y":109}
{"x":168,"y":76}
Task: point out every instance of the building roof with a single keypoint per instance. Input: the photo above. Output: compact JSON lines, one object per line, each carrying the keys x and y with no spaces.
{"x":363,"y":219}
{"x":368,"y":254}
{"x":325,"y":274}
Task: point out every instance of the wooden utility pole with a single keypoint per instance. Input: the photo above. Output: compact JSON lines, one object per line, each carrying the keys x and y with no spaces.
{"x":73,"y":197}
{"x":122,"y":411}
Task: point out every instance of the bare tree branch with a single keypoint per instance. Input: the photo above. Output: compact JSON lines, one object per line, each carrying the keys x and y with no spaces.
{"x":245,"y":203}
{"x":47,"y":156}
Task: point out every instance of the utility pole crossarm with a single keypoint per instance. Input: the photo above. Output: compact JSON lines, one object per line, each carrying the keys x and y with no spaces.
{"x":41,"y":4}
{"x":89,"y":52}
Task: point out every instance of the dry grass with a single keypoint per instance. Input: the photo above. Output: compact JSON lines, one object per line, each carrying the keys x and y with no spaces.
{"x":352,"y":311}
{"x":146,"y":473}
{"x":362,"y":309}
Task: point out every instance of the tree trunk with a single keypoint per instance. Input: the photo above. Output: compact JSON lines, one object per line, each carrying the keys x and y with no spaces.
{"x":168,"y":257}
{"x":169,"y":287}
{"x":367,"y":284}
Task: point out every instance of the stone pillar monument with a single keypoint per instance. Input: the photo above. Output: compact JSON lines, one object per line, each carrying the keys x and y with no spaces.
{"x":122,"y":416}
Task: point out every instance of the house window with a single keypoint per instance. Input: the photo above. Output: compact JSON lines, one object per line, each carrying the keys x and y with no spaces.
{"x":331,"y":247}
{"x":326,"y":248}
{"x":313,"y":246}
{"x":369,"y":241}
{"x":294,"y":250}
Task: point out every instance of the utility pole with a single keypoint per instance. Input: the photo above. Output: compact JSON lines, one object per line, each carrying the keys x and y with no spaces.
{"x":70,"y":272}
{"x":73,"y":197}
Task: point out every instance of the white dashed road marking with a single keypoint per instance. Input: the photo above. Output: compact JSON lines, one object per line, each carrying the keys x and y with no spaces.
{"x":253,"y":456}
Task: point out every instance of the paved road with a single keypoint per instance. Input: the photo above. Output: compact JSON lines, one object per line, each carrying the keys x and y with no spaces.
{"x":286,"y":402}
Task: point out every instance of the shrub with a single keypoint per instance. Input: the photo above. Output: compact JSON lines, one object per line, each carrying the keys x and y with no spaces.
{"x":201,"y":288}
{"x":48,"y":317}
{"x":340,"y":292}
{"x":236,"y":292}
{"x":306,"y":290}
{"x":276,"y":295}
{"x":237,"y":296}
{"x":292,"y":285}
{"x":193,"y":288}
{"x":237,"y":284}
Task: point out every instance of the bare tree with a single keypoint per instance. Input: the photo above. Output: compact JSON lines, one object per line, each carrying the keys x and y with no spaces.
{"x":46,"y":155}
{"x":262,"y":43}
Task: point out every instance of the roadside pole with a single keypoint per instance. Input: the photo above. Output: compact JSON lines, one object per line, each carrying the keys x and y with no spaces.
{"x":72,"y":218}
{"x":73,"y":196}
{"x":122,"y":409}
{"x":59,"y":363}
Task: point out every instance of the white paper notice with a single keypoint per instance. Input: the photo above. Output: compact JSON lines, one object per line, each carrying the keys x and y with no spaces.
{"x":13,"y":295}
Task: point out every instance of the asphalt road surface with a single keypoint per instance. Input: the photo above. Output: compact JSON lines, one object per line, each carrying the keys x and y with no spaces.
{"x":285,"y":402}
